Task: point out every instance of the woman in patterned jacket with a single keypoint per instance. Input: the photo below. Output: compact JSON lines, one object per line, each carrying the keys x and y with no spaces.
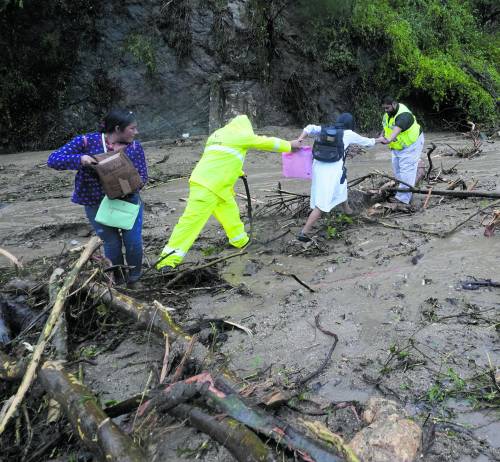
{"x":118,"y":131}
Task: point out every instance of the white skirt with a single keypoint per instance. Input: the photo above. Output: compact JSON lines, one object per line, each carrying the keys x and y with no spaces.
{"x":326,"y":190}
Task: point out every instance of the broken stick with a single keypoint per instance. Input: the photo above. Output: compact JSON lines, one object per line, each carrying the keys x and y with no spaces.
{"x":29,"y":376}
{"x":12,"y":258}
{"x":451,"y":193}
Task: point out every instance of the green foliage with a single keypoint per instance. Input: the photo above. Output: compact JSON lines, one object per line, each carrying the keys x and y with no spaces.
{"x":336,"y":225}
{"x":423,"y":48}
{"x":40,"y":45}
{"x":479,"y":390}
{"x":174,"y":21}
{"x":89,"y":352}
{"x":141,"y":47}
{"x":6,"y":3}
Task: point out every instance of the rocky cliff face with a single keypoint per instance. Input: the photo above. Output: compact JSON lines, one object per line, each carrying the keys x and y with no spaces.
{"x":183,"y":66}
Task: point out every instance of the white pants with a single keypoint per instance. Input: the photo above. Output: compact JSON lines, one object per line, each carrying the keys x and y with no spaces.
{"x":404,"y":166}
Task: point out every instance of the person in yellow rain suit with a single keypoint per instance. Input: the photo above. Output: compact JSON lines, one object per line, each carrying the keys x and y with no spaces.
{"x":211,"y":187}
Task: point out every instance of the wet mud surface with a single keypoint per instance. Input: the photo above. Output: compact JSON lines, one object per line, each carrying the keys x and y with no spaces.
{"x":407,"y":328}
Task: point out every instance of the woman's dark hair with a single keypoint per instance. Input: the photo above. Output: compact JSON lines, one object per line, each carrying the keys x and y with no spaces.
{"x":116,"y":118}
{"x":347,"y":120}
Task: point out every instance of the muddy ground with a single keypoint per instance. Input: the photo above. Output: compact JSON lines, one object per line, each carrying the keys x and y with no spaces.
{"x":406,"y":328}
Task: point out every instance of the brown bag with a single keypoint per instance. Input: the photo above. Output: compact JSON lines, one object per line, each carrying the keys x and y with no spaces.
{"x":117,"y":174}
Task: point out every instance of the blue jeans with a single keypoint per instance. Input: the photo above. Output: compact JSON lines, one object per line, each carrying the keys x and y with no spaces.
{"x":114,"y":239}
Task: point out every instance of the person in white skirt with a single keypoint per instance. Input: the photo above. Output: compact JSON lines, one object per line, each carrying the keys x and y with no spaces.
{"x":329,"y":181}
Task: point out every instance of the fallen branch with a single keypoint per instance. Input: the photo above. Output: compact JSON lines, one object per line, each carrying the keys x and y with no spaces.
{"x":356,"y":181}
{"x":297,"y":279}
{"x":272,"y":427}
{"x":153,"y":317}
{"x":459,"y":194}
{"x":427,"y":198}
{"x":451,"y":231}
{"x":60,"y":332}
{"x":180,"y":274}
{"x":28,"y":378}
{"x":242,"y":443}
{"x":96,"y":430}
{"x":429,"y":152}
{"x":180,"y":368}
{"x":315,"y":373}
{"x":379,"y":173}
{"x":402,"y":228}
{"x":126,"y":406}
{"x":12,"y":258}
{"x":230,"y":403}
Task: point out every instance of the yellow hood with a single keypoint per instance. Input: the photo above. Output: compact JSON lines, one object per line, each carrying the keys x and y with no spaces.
{"x":238,"y":132}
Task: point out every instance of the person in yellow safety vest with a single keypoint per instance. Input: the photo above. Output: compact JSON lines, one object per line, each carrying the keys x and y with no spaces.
{"x":211,"y":187}
{"x":404,"y":136}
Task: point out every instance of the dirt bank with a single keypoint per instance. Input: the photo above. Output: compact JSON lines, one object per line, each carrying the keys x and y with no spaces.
{"x":406,"y":326}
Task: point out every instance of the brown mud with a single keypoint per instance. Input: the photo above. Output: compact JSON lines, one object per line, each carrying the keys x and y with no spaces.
{"x":406,"y":327}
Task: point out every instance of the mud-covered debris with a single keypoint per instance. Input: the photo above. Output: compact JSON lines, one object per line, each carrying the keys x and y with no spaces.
{"x":416,"y":258}
{"x":475,"y":284}
{"x":251,"y":268}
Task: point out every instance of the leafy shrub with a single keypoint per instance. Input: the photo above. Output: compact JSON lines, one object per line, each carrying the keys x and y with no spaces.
{"x":421,"y":50}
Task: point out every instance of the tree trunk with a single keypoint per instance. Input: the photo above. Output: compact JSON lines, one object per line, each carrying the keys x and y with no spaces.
{"x":96,"y":430}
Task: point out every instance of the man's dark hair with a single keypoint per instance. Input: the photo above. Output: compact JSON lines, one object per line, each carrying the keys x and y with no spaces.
{"x":117,"y":117}
{"x":388,"y":100}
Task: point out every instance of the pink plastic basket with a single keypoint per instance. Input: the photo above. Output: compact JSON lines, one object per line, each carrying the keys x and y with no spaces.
{"x":298,"y":164}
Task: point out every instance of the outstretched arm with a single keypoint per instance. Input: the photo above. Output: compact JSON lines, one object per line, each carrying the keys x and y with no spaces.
{"x":351,"y":137}
{"x":268,"y":143}
{"x":303,"y":135}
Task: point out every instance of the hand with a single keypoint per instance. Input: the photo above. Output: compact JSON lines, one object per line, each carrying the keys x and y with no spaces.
{"x":296,"y":144}
{"x":87,"y":161}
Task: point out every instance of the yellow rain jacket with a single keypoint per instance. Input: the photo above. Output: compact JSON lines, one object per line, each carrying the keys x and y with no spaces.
{"x":211,"y":188}
{"x":222,"y":161}
{"x":404,"y":139}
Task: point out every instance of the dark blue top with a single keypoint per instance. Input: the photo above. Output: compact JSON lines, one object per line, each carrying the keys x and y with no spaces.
{"x":88,"y":190}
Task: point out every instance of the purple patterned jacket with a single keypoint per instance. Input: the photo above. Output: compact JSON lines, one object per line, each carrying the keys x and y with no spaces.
{"x":88,"y":190}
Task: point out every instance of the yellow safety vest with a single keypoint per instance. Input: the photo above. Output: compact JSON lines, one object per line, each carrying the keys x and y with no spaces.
{"x":221,"y":164}
{"x":405,"y":138}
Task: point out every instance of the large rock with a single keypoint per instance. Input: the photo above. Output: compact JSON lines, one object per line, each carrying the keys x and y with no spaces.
{"x":389,"y":437}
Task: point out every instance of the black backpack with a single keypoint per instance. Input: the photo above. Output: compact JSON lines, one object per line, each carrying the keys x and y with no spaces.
{"x":329,"y":146}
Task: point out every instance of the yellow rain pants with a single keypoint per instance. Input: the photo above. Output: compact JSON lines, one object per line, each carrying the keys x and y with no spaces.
{"x":202,"y":203}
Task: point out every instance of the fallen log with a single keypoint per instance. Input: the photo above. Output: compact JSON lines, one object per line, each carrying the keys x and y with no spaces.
{"x":160,"y":321}
{"x":151,"y":316}
{"x":96,"y":430}
{"x":241,"y":442}
{"x":29,"y":376}
{"x":60,"y":333}
{"x":459,"y":194}
{"x":272,"y":427}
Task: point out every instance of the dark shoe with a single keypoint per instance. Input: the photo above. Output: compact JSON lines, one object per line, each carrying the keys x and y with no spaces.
{"x":166,"y":270}
{"x":303,"y":238}
{"x":393,"y":200}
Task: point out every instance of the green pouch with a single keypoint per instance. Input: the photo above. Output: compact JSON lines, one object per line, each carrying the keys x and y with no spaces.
{"x":117,"y":213}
